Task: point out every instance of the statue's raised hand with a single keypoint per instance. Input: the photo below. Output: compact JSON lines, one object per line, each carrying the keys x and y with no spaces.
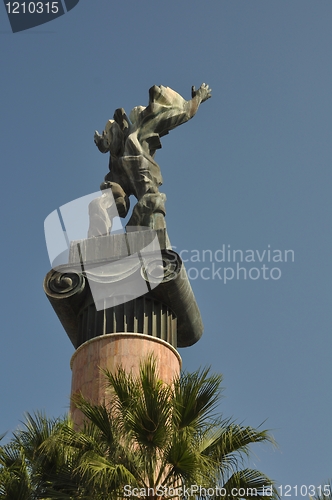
{"x":204,"y":92}
{"x":101,"y":141}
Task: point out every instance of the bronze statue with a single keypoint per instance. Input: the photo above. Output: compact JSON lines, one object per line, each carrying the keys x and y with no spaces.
{"x":132,"y":144}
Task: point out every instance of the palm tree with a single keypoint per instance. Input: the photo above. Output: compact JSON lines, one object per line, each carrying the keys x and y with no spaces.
{"x":152,"y":440}
{"x":35,"y":464}
{"x":157,"y":439}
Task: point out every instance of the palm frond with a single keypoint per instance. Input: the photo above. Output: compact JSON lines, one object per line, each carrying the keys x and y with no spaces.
{"x":195,"y":397}
{"x":249,"y":483}
{"x":98,"y":415}
{"x":324,"y":492}
{"x":236,"y":439}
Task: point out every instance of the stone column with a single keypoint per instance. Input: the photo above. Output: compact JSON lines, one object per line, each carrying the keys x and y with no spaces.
{"x":110,"y":328}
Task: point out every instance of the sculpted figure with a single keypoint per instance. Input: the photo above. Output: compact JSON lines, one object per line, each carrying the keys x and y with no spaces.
{"x":132,"y":143}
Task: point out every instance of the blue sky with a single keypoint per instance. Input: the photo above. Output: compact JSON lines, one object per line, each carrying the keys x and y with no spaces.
{"x":252,"y":169}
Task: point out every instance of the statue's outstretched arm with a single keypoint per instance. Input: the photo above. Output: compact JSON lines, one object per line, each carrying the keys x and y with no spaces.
{"x":166,"y":117}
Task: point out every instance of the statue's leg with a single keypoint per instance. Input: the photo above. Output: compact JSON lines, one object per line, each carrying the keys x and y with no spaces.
{"x":149,"y":211}
{"x":144,"y":180}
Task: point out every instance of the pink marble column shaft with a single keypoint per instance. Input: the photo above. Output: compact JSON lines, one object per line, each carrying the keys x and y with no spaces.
{"x":114,"y":350}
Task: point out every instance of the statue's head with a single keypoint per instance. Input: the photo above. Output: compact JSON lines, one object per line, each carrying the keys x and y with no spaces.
{"x":121,"y":119}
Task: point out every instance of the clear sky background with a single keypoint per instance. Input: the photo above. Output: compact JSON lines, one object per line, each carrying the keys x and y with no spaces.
{"x":252,"y":169}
